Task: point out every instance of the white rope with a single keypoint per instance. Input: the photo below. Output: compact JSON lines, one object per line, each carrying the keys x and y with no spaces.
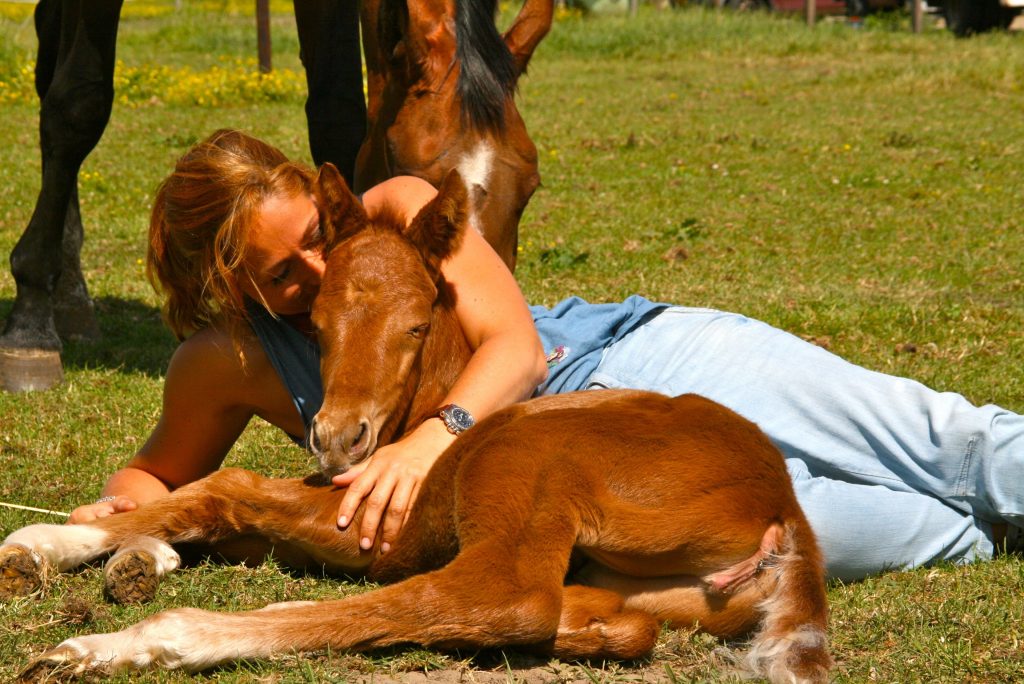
{"x":33,"y":509}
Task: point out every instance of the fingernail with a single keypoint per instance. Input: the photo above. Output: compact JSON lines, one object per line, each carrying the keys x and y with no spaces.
{"x":365,"y":543}
{"x":385,"y":547}
{"x":343,"y":521}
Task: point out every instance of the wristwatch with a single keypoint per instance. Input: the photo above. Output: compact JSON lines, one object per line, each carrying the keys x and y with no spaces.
{"x":455,"y":418}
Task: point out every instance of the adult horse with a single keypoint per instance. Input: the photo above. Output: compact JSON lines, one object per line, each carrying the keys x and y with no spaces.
{"x":681,"y":510}
{"x":440,"y":92}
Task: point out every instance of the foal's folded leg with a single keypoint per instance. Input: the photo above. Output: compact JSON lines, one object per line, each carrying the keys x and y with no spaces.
{"x":596,"y":624}
{"x":221,"y":508}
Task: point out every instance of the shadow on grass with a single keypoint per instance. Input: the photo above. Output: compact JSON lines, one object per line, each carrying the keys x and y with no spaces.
{"x":135,"y":339}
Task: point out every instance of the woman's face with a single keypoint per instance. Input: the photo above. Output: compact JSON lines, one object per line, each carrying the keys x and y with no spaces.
{"x":285,"y":259}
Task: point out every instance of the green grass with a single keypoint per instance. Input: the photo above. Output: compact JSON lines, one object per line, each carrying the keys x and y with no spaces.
{"x":859,"y":188}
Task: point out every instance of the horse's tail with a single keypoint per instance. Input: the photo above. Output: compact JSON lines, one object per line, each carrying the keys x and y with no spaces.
{"x":487,"y":71}
{"x":792,"y":645}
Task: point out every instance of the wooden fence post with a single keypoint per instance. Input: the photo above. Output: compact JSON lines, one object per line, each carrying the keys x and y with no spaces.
{"x":263,"y":34}
{"x":810,"y":7}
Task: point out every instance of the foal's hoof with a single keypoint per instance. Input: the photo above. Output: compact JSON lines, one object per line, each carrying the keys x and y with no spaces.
{"x":58,"y":665}
{"x":22,"y":573}
{"x":131,"y":577}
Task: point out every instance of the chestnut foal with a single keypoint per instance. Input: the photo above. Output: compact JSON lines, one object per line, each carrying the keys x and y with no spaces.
{"x":681,"y":510}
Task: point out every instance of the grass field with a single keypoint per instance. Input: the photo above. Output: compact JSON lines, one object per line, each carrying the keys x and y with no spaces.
{"x":860,"y":188}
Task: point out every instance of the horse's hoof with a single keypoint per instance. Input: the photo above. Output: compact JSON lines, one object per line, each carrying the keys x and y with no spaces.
{"x":25,"y":370}
{"x":131,"y":577}
{"x":22,"y":573}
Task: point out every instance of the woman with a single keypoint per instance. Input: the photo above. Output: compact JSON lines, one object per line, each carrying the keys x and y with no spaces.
{"x":889,"y":472}
{"x":234,"y":233}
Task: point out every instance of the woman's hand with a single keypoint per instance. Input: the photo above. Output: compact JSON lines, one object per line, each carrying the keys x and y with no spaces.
{"x":130,"y":487}
{"x":390,"y":481}
{"x":102,"y":509}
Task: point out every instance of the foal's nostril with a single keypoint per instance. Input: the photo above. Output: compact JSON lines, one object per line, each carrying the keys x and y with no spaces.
{"x":314,"y":437}
{"x":357,"y":444}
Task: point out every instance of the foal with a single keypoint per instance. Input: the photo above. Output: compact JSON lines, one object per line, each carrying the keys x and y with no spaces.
{"x":681,"y":510}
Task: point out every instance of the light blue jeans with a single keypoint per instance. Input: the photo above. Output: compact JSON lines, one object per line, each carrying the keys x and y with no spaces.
{"x":890,"y":473}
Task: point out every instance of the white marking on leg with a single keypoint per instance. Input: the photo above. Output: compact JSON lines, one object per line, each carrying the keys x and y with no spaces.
{"x":186,"y":638}
{"x":63,"y":546}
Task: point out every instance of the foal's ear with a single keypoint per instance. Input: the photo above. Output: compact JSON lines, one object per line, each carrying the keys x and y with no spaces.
{"x":438,"y":228}
{"x":341,"y":213}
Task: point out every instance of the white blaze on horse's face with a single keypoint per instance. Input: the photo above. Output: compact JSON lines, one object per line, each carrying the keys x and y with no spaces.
{"x":475,"y":169}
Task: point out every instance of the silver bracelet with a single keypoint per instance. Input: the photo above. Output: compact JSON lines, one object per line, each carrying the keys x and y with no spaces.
{"x":104,"y":499}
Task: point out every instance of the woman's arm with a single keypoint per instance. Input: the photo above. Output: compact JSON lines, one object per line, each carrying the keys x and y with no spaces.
{"x":506,"y":366}
{"x":204,"y":412}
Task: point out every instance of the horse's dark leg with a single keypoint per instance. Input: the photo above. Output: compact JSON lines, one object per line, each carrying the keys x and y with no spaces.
{"x":75,"y":82}
{"x":73,"y":311}
{"x":335,"y":107}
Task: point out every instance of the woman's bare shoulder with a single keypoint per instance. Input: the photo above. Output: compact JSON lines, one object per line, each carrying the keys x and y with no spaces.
{"x":212,"y":358}
{"x":405,"y":193}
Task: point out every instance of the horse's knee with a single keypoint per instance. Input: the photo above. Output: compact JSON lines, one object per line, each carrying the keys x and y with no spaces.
{"x":73,"y":116}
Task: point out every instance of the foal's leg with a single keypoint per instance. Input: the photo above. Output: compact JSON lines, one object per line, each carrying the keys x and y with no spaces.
{"x":288,"y":515}
{"x":454,"y":607}
{"x":478,"y":600}
{"x":596,"y":624}
{"x":783,"y":602}
{"x":504,"y":588}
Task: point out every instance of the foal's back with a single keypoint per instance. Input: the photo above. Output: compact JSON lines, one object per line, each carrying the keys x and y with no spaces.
{"x":645,"y":484}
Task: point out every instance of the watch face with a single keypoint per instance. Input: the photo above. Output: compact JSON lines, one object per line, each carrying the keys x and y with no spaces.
{"x":461,"y":417}
{"x":457,"y":418}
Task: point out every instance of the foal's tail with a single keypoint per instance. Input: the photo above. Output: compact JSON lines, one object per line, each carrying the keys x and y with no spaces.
{"x":791,"y":644}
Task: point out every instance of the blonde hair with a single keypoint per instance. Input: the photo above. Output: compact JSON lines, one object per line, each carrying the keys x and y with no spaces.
{"x":200,"y":226}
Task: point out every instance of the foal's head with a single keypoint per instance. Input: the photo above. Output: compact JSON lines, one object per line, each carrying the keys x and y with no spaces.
{"x":441,"y":85}
{"x":374,"y":315}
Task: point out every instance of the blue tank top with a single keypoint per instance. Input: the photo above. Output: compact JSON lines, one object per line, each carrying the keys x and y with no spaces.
{"x":574,"y":333}
{"x":295,"y":357}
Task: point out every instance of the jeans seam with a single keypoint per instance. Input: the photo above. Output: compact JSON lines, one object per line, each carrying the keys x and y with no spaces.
{"x":965,"y":467}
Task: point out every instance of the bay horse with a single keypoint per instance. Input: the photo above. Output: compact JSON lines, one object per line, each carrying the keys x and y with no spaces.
{"x":440,"y":95}
{"x":678,"y":509}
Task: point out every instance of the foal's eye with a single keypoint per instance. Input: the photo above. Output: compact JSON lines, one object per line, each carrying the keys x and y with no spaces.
{"x":419,"y":331}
